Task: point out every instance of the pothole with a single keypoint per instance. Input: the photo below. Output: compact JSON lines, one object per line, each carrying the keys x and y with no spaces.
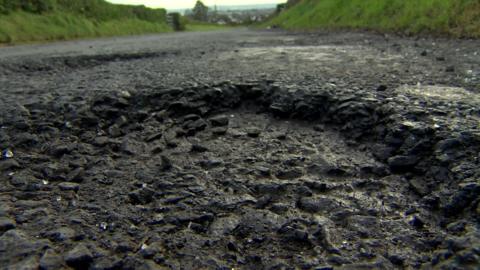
{"x":237,"y":175}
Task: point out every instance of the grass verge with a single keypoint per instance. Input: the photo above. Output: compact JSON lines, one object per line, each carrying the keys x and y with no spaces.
{"x":18,"y":27}
{"x":460,"y":18}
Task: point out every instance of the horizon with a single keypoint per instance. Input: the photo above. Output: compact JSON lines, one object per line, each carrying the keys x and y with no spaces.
{"x":185,"y":4}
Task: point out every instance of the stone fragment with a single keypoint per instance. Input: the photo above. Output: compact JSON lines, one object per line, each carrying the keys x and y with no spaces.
{"x":79,"y":257}
{"x":51,"y":260}
{"x":400,"y":164}
{"x":69,"y":186}
{"x":219,"y":121}
{"x":253,"y":132}
{"x":6,"y":224}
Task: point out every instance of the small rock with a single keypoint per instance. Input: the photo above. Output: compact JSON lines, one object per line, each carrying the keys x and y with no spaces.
{"x":457,"y":227}
{"x":114,"y":131}
{"x":7,"y":153}
{"x":319,"y":128}
{"x":148,"y":251}
{"x":141,"y":196}
{"x":166,"y":163}
{"x":191,"y":117}
{"x":253,"y":132}
{"x":101,"y":141}
{"x":219,"y":121}
{"x":424,"y":53}
{"x":317,"y":186}
{"x":128,"y":147}
{"x":157,"y":150}
{"x":418,"y":185}
{"x":124,"y":94}
{"x":291,"y":233}
{"x":279,"y":208}
{"x":9,"y":164}
{"x":219,"y":130}
{"x":197,"y":125}
{"x":324,"y":267}
{"x":171,"y":143}
{"x":199,"y":148}
{"x":76,"y":175}
{"x":381,"y":88}
{"x":79,"y":257}
{"x":124,"y":247}
{"x":232,"y":247}
{"x":69,"y":186}
{"x":401,"y":164}
{"x":210,"y":164}
{"x":314,"y":205}
{"x":154,"y":137}
{"x":6,"y":224}
{"x":30,"y":263}
{"x":263,"y":171}
{"x":281,"y":136}
{"x":396,"y":259}
{"x":121,"y":121}
{"x":338,"y":260}
{"x":61,"y":234}
{"x":289,"y":174}
{"x":417,"y":222}
{"x":51,"y":260}
{"x":26,"y":139}
{"x":60,"y":150}
{"x":106,"y":263}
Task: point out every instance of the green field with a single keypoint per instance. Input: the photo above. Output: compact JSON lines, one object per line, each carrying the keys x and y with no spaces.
{"x":460,"y":18}
{"x":42,"y":20}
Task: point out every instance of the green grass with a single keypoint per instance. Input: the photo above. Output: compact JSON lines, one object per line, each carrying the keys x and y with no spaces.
{"x":45,"y":20}
{"x":21,"y":27}
{"x":453,"y":17}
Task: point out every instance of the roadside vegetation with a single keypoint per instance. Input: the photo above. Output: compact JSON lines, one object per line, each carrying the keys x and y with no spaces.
{"x":42,"y":20}
{"x":460,"y":18}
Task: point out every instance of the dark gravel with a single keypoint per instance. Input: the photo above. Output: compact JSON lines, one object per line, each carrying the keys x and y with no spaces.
{"x":241,"y":150}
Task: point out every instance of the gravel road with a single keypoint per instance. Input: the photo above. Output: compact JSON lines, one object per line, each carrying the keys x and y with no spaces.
{"x":241,"y":149}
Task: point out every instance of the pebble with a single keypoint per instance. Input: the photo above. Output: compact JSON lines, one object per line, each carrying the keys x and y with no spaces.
{"x":199,"y":148}
{"x":7,"y":153}
{"x":50,"y":260}
{"x":219,"y":130}
{"x":9,"y":164}
{"x":219,"y":121}
{"x":69,"y":186}
{"x":253,"y":132}
{"x":79,"y":257}
{"x":6,"y":224}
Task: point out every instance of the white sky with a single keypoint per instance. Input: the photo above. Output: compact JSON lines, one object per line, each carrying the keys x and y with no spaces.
{"x":174,"y":4}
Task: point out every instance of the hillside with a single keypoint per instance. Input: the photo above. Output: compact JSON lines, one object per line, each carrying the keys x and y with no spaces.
{"x":37,"y":20}
{"x":459,"y":18}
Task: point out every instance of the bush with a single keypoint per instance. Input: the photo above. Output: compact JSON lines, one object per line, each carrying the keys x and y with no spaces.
{"x":94,"y":9}
{"x":33,"y":6}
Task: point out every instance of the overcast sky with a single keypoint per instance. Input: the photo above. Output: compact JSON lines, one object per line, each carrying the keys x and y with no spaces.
{"x":174,"y":4}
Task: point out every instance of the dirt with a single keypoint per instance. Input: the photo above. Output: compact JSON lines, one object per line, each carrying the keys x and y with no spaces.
{"x":241,"y":150}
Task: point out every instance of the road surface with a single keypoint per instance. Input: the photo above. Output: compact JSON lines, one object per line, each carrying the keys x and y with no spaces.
{"x":240,"y":149}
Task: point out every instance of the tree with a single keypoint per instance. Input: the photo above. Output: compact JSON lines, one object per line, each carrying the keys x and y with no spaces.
{"x":200,"y":12}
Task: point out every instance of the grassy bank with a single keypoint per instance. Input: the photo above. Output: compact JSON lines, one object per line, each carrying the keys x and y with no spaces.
{"x":43,"y":20}
{"x":24,"y":27}
{"x":459,"y":18}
